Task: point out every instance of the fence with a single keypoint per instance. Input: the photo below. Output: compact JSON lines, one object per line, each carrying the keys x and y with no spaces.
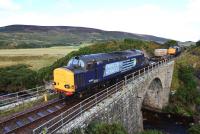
{"x":64,"y":118}
{"x":21,"y":96}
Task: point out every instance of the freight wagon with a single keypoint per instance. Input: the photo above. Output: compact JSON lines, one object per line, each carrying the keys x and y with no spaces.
{"x":162,"y":54}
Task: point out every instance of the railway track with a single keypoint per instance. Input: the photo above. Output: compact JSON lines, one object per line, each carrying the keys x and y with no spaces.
{"x":25,"y":121}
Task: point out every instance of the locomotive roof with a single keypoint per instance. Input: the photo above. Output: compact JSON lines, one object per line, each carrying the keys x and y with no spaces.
{"x":110,"y":56}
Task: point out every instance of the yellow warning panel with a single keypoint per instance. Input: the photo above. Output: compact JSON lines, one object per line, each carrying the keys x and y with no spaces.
{"x":171,"y":51}
{"x":64,"y":79}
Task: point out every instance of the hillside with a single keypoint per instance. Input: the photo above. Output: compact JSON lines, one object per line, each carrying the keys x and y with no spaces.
{"x":186,"y":83}
{"x":29,"y":36}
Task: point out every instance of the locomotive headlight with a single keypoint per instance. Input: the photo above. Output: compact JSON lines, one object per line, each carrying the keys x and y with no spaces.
{"x":54,"y":83}
{"x":67,"y":86}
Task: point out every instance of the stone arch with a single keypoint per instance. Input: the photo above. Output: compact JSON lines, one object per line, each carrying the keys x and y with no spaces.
{"x":153,"y":94}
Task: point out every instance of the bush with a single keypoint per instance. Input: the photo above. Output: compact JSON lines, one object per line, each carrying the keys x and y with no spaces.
{"x":170,"y":43}
{"x":16,"y":78}
{"x":187,"y":93}
{"x":187,"y":96}
{"x":104,"y":128}
{"x":195,"y":129}
{"x":151,"y":132}
{"x":101,"y":128}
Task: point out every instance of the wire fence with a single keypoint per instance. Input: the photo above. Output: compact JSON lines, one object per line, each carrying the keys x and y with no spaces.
{"x":22,"y":96}
{"x":69,"y":115}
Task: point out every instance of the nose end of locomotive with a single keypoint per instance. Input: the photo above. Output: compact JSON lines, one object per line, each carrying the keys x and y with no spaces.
{"x":64,"y":81}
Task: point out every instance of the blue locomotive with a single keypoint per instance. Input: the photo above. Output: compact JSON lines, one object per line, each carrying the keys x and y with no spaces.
{"x":87,"y":71}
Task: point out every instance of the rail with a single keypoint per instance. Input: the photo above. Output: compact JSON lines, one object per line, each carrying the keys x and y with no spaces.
{"x":10,"y":125}
{"x":59,"y":121}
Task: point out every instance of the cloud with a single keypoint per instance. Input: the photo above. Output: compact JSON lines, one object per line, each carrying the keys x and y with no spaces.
{"x":193,"y":10}
{"x":8,"y":5}
{"x":64,"y":4}
{"x":146,"y":19}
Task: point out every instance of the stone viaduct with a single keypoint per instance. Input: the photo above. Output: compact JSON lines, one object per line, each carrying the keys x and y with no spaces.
{"x":150,"y":89}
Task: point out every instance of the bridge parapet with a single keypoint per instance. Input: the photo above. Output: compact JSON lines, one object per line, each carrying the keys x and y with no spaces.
{"x":121,"y":102}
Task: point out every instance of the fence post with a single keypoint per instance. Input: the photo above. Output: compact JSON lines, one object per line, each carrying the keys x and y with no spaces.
{"x":139,"y":73}
{"x":133,"y":76}
{"x":81,"y":108}
{"x":116,"y":87}
{"x":107,"y":92}
{"x":37,"y":92}
{"x":17,"y":97}
{"x":62,"y":119}
{"x":125,"y":80}
{"x":152,"y":67}
{"x":96,"y":99}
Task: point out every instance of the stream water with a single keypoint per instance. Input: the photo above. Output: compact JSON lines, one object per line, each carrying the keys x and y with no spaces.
{"x":166,"y":122}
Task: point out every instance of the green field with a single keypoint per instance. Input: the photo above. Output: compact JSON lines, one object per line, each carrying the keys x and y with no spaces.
{"x":36,"y":58}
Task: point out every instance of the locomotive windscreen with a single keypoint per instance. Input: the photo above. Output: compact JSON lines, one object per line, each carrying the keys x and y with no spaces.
{"x":76,"y":63}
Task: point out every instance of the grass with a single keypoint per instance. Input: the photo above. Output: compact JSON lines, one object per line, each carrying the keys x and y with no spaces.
{"x":36,"y":58}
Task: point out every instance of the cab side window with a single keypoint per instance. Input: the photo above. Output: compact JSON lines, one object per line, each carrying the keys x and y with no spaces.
{"x":90,"y":66}
{"x":139,"y":60}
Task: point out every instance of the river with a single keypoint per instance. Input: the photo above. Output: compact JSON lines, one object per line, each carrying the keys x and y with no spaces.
{"x":166,"y":122}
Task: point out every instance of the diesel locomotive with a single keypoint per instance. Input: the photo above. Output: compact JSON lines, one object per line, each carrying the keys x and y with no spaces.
{"x":85,"y":72}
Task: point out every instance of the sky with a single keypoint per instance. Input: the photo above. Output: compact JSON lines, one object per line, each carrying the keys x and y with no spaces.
{"x":174,"y":19}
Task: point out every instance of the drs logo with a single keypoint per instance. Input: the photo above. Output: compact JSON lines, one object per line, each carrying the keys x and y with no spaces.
{"x":112,"y":68}
{"x":120,"y":66}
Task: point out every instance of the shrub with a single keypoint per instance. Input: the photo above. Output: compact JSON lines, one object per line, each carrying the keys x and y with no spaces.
{"x":151,"y":132}
{"x":104,"y":128}
{"x":187,"y":93}
{"x":17,"y":77}
{"x":170,"y":43}
{"x":195,"y":129}
{"x":186,"y":96}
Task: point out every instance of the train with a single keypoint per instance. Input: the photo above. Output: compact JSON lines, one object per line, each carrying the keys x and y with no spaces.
{"x":162,"y":54}
{"x":85,"y":73}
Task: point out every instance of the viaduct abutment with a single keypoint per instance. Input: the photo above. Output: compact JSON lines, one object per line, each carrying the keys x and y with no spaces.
{"x":150,"y":89}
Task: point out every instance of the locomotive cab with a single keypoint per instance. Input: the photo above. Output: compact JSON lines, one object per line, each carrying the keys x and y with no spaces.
{"x":64,"y":78}
{"x":64,"y":81}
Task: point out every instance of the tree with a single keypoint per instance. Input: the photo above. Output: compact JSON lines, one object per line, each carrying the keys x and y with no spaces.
{"x":198,"y":43}
{"x":170,"y":43}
